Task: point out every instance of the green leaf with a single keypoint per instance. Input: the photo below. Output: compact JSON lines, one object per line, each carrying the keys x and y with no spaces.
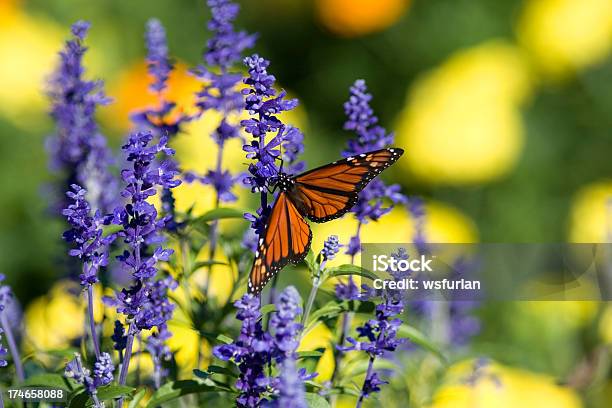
{"x":137,"y":398}
{"x":176,"y":389}
{"x":269,"y":308}
{"x":316,"y":401}
{"x":334,"y":308}
{"x":418,"y":338}
{"x":83,"y":399}
{"x":350,"y":269}
{"x":214,"y":369}
{"x":309,"y":354}
{"x":224,"y":339}
{"x":111,"y":229}
{"x":78,"y":400}
{"x":51,"y":381}
{"x":114,"y":391}
{"x":220,"y":213}
{"x":311,"y":262}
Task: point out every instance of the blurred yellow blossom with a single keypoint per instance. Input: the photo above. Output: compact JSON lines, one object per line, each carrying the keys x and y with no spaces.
{"x":443,"y":224}
{"x":30,"y":45}
{"x":563,"y":36}
{"x":320,"y":337}
{"x":352,"y":18}
{"x":55,"y":319}
{"x":591,"y":213}
{"x":462,"y":122}
{"x":553,"y":315}
{"x":502,"y":387}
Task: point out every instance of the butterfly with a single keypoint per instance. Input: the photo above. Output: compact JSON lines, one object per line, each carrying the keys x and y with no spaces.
{"x":322,"y":194}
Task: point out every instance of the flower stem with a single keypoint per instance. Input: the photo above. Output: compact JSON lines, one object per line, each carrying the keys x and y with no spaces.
{"x":214,"y":227}
{"x":12,"y":345}
{"x":126,"y":359}
{"x":346,"y":324}
{"x":368,"y":374}
{"x":92,"y":322}
{"x":316,"y":282}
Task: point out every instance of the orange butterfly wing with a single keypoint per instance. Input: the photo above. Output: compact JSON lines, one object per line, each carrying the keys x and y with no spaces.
{"x":287,"y":239}
{"x":330,"y":191}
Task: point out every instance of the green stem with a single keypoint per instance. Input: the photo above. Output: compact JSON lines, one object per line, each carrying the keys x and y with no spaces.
{"x":316,"y":282}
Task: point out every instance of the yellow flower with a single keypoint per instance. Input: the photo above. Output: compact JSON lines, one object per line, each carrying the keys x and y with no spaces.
{"x":352,"y":18}
{"x":462,"y":122}
{"x":30,"y":46}
{"x":563,"y":36}
{"x":502,"y":387}
{"x":443,"y":224}
{"x":564,"y":315}
{"x":55,"y":319}
{"x":320,"y":337}
{"x":591,"y":213}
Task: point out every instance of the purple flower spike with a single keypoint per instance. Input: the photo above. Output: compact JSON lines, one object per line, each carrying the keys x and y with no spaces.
{"x":251,"y":352}
{"x":283,"y":323}
{"x":370,"y":136}
{"x":78,"y":151}
{"x":86,"y":235}
{"x":158,"y":61}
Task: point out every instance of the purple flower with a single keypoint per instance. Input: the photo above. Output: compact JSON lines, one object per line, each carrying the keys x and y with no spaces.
{"x":283,"y":323}
{"x":159,"y":63}
{"x":77,"y":149}
{"x":118,"y":337}
{"x":370,"y":136}
{"x":379,"y":337}
{"x":251,"y":352}
{"x":75,"y":370}
{"x":3,"y":352}
{"x":165,"y":120}
{"x":226,"y":45}
{"x":361,"y":120}
{"x":372,"y":384}
{"x":160,"y":352}
{"x":103,"y":370}
{"x":10,"y":318}
{"x":291,"y":392}
{"x":86,"y":235}
{"x":220,"y":92}
{"x":102,"y":374}
{"x":264,"y":103}
{"x":145,"y":304}
{"x":331,"y":246}
{"x":348,"y":290}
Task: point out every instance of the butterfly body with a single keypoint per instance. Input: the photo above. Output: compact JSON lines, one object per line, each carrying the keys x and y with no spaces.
{"x":322,"y":194}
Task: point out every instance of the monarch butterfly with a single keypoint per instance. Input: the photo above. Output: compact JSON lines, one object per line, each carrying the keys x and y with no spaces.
{"x":321,"y":195}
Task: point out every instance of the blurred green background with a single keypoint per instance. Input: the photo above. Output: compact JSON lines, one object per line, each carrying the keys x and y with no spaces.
{"x":504,"y":109}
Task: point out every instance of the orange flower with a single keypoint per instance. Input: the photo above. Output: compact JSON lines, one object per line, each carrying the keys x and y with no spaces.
{"x":130,"y":92}
{"x":352,"y":18}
